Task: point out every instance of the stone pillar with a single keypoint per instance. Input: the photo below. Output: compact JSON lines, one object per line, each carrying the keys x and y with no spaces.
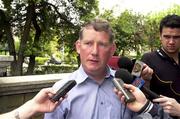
{"x":5,"y":61}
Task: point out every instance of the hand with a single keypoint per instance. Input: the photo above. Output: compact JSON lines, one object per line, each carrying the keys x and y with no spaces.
{"x":170,"y":105}
{"x":140,"y":97}
{"x":42,"y":103}
{"x":147,"y":72}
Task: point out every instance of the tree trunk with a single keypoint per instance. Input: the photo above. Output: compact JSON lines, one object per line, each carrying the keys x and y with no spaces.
{"x":25,"y":37}
{"x":35,"y":44}
{"x":31,"y":64}
{"x":12,"y":51}
{"x":11,"y":46}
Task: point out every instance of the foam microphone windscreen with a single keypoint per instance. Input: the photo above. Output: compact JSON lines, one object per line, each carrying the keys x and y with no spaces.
{"x":124,"y":75}
{"x":126,"y":63}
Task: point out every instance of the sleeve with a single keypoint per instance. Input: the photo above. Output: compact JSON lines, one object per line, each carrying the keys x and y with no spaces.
{"x":145,"y":58}
{"x":58,"y":113}
{"x":156,"y":112}
{"x":61,"y":111}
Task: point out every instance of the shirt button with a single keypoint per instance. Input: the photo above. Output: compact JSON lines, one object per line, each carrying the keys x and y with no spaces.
{"x":101,"y":103}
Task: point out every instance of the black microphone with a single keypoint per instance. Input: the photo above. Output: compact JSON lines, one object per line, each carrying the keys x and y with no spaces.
{"x":118,"y":83}
{"x":138,"y":82}
{"x":63,"y":90}
{"x":117,"y":62}
{"x":126,"y":63}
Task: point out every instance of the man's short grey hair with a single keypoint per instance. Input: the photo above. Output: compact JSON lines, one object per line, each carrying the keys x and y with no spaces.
{"x":98,"y":25}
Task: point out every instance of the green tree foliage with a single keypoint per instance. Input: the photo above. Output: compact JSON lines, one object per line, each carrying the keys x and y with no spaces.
{"x":135,"y":32}
{"x":37,"y":22}
{"x":151,"y":26}
{"x":45,"y":27}
{"x":129,"y":31}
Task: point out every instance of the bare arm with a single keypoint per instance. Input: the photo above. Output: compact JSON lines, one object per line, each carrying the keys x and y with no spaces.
{"x":39,"y":104}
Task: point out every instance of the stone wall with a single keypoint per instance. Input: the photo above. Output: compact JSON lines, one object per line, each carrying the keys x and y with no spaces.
{"x":15,"y":91}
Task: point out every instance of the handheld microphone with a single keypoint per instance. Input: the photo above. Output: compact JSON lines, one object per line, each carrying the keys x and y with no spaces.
{"x":138,"y":82}
{"x":126,"y":63}
{"x":63,"y":90}
{"x":117,"y":62}
{"x":118,"y":83}
{"x":135,"y":67}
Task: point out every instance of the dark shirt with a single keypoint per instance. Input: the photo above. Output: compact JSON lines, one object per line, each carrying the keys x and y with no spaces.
{"x":166,"y":77}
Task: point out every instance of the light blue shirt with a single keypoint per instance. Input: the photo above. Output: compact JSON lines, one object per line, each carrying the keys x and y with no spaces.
{"x":90,"y":100}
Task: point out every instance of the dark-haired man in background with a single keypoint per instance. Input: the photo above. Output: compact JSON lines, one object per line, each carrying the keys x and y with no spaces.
{"x":165,"y":63}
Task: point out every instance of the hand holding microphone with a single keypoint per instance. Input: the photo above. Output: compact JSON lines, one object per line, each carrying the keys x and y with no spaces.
{"x":119,"y":84}
{"x":137,"y":104}
{"x":139,"y":71}
{"x":63,"y":90}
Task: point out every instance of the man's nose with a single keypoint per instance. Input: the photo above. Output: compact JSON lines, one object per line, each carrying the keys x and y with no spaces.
{"x":171,"y":40}
{"x":95,"y":49}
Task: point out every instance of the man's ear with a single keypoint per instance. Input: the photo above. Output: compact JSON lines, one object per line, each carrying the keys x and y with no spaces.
{"x":78,"y":44}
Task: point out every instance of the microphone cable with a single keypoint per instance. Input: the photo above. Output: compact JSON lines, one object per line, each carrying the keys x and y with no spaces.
{"x":123,"y":110}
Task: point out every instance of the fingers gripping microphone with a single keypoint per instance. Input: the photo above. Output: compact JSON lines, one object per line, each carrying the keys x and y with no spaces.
{"x":118,"y":83}
{"x":63,"y":90}
{"x":135,"y":67}
{"x":138,"y":82}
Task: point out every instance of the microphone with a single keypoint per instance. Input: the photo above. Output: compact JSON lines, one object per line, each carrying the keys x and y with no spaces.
{"x":118,"y":83}
{"x":138,"y":82}
{"x":126,"y":63}
{"x":64,"y":89}
{"x":117,"y":62}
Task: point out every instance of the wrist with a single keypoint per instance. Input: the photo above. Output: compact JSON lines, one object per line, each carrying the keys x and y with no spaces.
{"x":25,"y":111}
{"x":146,"y":108}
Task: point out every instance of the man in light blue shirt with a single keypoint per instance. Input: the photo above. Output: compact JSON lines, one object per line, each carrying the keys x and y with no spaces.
{"x":93,"y":96}
{"x":90,"y":100}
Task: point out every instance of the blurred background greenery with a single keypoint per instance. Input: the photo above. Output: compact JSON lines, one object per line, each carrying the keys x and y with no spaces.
{"x":40,"y":34}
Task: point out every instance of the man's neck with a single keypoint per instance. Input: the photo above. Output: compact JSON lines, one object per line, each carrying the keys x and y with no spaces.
{"x":98,"y":76}
{"x":175,"y":56}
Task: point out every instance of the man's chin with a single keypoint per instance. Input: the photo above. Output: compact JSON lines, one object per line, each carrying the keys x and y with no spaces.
{"x":93,"y":69}
{"x":171,"y":51}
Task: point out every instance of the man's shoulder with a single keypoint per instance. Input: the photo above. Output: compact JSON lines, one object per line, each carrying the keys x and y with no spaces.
{"x":149,"y":57}
{"x":149,"y":54}
{"x":68,"y":77}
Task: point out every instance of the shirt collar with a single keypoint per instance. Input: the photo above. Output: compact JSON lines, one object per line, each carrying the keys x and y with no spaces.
{"x":82,"y":76}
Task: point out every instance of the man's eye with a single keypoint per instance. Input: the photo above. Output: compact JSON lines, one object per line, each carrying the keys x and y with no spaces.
{"x":103,"y":45}
{"x":87,"y":43}
{"x":176,"y":37}
{"x":167,"y":37}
